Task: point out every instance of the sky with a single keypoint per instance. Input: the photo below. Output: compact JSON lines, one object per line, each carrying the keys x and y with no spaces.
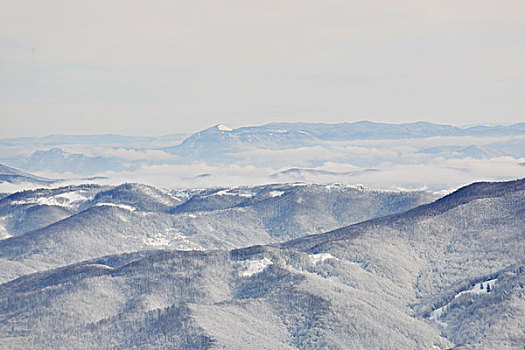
{"x":159,"y":66}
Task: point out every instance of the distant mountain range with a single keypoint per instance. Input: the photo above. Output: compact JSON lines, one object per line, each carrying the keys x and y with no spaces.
{"x":316,"y":152}
{"x":220,"y":139}
{"x":107,"y":139}
{"x":409,"y":272}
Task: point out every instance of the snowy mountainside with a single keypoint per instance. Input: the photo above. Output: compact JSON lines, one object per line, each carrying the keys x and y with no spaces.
{"x":56,"y":227}
{"x":493,"y":308}
{"x":25,"y":211}
{"x":373,"y":284}
{"x":137,"y":196}
{"x":442,"y":248}
{"x":287,"y":304}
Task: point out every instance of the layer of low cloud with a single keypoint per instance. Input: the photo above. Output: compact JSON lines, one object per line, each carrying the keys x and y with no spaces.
{"x":384,"y":164}
{"x":439,"y":175}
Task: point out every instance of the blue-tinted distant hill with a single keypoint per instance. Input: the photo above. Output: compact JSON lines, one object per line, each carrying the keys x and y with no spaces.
{"x":15,"y":176}
{"x":56,"y":160}
{"x":497,"y":130}
{"x":220,"y":140}
{"x":108,"y":139}
{"x":292,"y":135}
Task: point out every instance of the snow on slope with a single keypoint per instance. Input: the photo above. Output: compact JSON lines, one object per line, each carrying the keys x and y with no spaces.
{"x":119,"y":205}
{"x":253,"y":267}
{"x":70,"y":200}
{"x":223,"y":127}
{"x":321,"y":257}
{"x":276,"y":193}
{"x":478,"y":289}
{"x":230,"y":192}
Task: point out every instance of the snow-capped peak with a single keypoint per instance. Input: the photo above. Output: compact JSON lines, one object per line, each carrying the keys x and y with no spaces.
{"x":223,"y":127}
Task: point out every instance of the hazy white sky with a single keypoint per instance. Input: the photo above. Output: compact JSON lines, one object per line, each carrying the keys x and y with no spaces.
{"x":161,"y":66}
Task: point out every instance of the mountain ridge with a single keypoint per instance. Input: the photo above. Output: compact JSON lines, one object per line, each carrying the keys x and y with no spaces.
{"x":83,"y":221}
{"x":412,"y":281}
{"x":459,"y":197}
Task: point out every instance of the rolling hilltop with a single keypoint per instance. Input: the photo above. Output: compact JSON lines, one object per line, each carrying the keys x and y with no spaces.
{"x":47,"y":228}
